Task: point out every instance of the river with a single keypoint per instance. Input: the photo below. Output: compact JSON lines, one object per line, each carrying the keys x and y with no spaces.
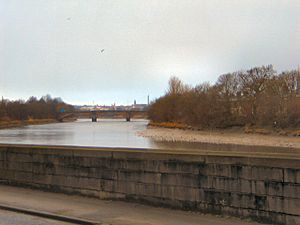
{"x":83,"y":132}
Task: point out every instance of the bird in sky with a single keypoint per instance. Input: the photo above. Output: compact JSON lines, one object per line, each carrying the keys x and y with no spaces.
{"x":102,"y":50}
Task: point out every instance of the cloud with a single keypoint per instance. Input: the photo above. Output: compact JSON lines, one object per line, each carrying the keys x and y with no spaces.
{"x":54,"y":46}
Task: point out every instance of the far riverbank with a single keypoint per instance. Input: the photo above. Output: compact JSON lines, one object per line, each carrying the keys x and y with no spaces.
{"x":21,"y":123}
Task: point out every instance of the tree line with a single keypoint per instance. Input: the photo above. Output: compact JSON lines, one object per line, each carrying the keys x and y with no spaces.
{"x":258,"y":96}
{"x":44,"y":108}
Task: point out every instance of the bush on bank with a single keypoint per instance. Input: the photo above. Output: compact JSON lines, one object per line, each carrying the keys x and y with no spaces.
{"x":31,"y":110}
{"x":258,"y":96}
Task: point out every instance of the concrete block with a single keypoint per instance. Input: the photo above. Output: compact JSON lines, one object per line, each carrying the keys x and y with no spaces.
{"x":291,"y":190}
{"x":52,"y":150}
{"x":248,"y":201}
{"x":2,"y":155}
{"x":39,"y":158}
{"x":107,"y":174}
{"x":77,"y":182}
{"x":23,"y":176}
{"x":47,"y":159}
{"x":242,"y":200}
{"x":168,"y":192}
{"x":139,"y":176}
{"x":149,"y":165}
{"x":19,"y":166}
{"x":231,"y":184}
{"x":292,"y":175}
{"x":246,"y":186}
{"x":7,"y":174}
{"x":284,"y":205}
{"x":93,"y":153}
{"x":185,"y":194}
{"x":107,"y":185}
{"x":266,"y":173}
{"x":2,"y":165}
{"x":120,"y":186}
{"x":133,"y":164}
{"x":220,"y":170}
{"x":151,"y":190}
{"x":275,"y":204}
{"x":200,"y":195}
{"x":44,"y":168}
{"x":16,"y":150}
{"x":258,"y":187}
{"x":179,"y":166}
{"x":185,"y":180}
{"x":292,"y":220}
{"x":274,"y":188}
{"x":92,"y":162}
{"x":42,"y":179}
{"x":291,"y":206}
{"x":205,"y":182}
{"x":236,"y":170}
{"x":217,"y":197}
{"x":18,"y":157}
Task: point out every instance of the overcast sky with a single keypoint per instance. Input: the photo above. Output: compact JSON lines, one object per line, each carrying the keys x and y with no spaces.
{"x":54,"y":46}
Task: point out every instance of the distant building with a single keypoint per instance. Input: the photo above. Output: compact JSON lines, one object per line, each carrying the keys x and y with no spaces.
{"x":135,"y":106}
{"x":139,"y":107}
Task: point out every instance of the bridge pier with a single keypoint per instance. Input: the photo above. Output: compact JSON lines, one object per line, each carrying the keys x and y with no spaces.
{"x":94,"y":116}
{"x":128,"y":116}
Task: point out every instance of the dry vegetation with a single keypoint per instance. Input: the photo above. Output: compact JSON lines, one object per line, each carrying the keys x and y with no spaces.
{"x":258,"y":99}
{"x":32,"y":111}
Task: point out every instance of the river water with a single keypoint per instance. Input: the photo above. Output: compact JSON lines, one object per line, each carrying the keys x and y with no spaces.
{"x":83,"y":132}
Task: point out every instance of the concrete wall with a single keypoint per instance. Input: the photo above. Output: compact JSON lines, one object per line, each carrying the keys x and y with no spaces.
{"x":265,"y":189}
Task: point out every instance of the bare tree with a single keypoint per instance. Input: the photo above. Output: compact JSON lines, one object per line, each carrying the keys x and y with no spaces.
{"x":176,"y":86}
{"x":257,"y":96}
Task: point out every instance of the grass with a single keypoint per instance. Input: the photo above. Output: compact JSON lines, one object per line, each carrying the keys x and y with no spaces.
{"x":255,"y":130}
{"x":169,"y":125}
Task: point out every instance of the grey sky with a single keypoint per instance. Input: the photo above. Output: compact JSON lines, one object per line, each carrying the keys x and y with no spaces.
{"x":54,"y":46}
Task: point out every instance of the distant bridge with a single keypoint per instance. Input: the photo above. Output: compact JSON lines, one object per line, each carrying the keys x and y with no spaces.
{"x":95,"y":114}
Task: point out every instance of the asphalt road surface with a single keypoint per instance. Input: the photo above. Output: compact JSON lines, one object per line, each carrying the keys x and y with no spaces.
{"x":104,"y":212}
{"x":12,"y":218}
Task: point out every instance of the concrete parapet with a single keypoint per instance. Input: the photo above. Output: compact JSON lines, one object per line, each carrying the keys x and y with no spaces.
{"x":265,"y":189}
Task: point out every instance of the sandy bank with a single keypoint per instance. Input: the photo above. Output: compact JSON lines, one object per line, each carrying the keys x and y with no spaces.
{"x":218,"y":137}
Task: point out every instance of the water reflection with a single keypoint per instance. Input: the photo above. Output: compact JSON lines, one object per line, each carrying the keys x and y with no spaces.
{"x":110,"y":133}
{"x":105,"y":133}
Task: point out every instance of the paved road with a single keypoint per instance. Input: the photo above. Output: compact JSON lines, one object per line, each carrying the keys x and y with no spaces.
{"x":106,"y":212}
{"x":12,"y":218}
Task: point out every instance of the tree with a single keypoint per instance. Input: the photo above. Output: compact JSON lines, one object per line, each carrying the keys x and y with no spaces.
{"x":176,"y":86}
{"x":257,"y":96}
{"x":253,"y":83}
